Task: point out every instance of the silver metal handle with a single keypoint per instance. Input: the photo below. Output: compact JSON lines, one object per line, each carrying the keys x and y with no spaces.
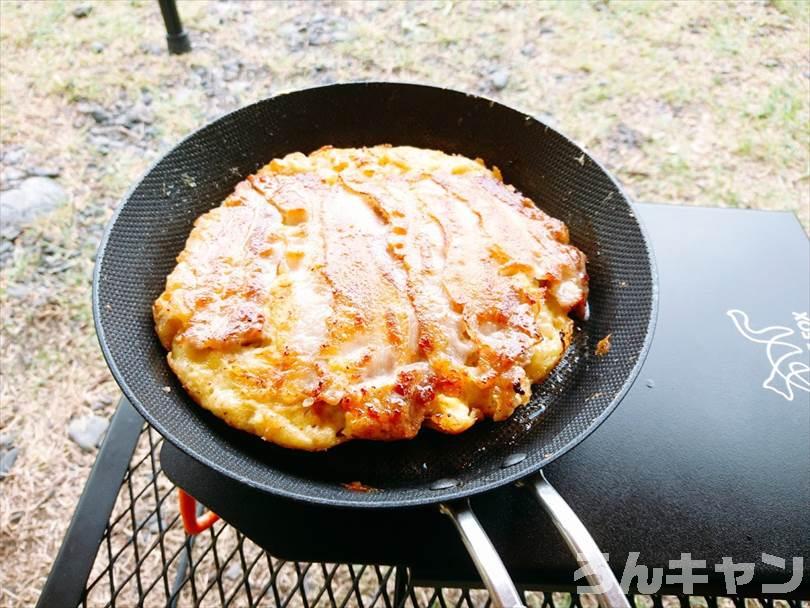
{"x":485,"y":557}
{"x":581,"y":543}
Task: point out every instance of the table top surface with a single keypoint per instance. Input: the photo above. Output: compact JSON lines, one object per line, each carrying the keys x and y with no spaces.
{"x":708,"y":454}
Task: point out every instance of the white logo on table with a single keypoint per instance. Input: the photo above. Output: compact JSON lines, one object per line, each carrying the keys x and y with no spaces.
{"x":688,"y":572}
{"x":790,"y":369}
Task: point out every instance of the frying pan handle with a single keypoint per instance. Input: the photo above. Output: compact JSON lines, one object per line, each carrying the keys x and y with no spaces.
{"x":486,"y":559}
{"x":581,"y":543}
{"x":192,"y":523}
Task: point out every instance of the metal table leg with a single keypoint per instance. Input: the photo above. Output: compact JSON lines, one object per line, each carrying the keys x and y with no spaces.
{"x":66,"y":582}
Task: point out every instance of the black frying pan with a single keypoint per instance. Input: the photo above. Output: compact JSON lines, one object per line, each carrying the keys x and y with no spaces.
{"x":153,"y":221}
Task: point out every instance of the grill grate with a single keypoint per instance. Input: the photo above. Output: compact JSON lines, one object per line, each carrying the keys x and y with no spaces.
{"x":146,"y":559}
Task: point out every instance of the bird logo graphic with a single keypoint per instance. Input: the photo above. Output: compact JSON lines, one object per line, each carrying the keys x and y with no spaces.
{"x":790,"y":364}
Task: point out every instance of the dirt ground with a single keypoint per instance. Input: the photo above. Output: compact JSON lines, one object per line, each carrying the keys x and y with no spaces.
{"x":691,"y":103}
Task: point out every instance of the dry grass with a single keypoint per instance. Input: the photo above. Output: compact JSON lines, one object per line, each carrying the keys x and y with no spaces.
{"x":696,"y":103}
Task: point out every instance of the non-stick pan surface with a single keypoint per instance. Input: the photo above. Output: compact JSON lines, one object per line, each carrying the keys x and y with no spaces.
{"x":154,"y":220}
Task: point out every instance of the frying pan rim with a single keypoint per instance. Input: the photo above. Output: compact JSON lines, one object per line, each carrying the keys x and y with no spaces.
{"x":451,"y":493}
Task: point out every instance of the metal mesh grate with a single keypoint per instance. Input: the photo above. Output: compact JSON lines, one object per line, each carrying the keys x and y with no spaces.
{"x":146,"y":559}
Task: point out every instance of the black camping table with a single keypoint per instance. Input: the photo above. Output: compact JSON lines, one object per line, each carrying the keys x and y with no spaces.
{"x":708,"y":455}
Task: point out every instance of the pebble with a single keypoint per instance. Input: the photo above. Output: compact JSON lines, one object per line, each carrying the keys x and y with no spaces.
{"x":7,"y":440}
{"x":99,"y":114}
{"x":499,"y":78}
{"x":6,"y":250}
{"x":318,"y":29}
{"x":7,"y":460}
{"x":103,"y":143}
{"x":35,"y":197}
{"x":97,"y":47}
{"x":97,"y":402}
{"x":150,"y":524}
{"x":233,"y":571}
{"x":12,"y":156}
{"x":45,"y":171}
{"x":230,"y":70}
{"x":628,"y":136}
{"x":17,"y":292}
{"x":82,"y":11}
{"x":150,"y":48}
{"x":547,"y":119}
{"x":12,"y":175}
{"x":137,"y":115}
{"x":87,"y":431}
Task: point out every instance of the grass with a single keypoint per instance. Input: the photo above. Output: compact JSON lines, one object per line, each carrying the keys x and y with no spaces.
{"x":716,"y":95}
{"x":797,"y":9}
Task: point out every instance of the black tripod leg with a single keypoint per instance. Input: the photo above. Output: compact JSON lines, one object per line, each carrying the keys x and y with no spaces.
{"x":176,"y":38}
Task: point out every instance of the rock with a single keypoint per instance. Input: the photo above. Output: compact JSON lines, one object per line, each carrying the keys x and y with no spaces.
{"x":547,"y":119}
{"x":317,"y":30}
{"x":17,"y":292}
{"x":11,"y":176}
{"x":97,"y":402}
{"x":7,"y":460}
{"x":45,"y":171}
{"x":7,"y":440}
{"x":231,"y":69}
{"x":233,"y":572}
{"x":82,"y":11}
{"x":499,"y":78}
{"x":627,"y":136}
{"x":528,"y":50}
{"x":150,"y":524}
{"x":149,"y":48}
{"x":341,"y":36}
{"x":97,"y":47}
{"x":13,"y":156}
{"x":139,"y":114}
{"x":10,"y":226}
{"x":35,"y":197}
{"x":200,"y":70}
{"x":99,"y":114}
{"x":288,"y":30}
{"x":6,"y":250}
{"x":102,"y":143}
{"x":87,"y":431}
